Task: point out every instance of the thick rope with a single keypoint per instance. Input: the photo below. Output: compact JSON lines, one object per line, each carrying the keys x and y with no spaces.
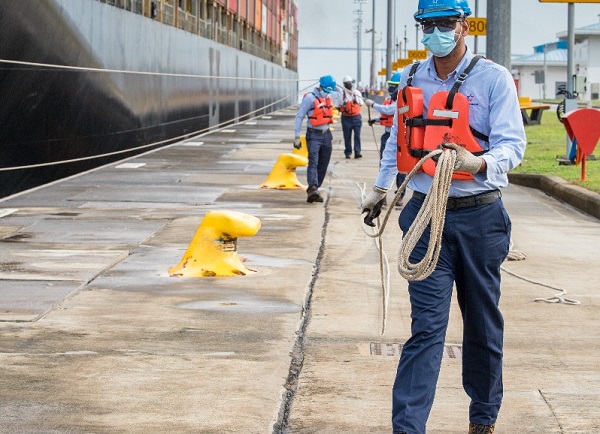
{"x":433,"y":213}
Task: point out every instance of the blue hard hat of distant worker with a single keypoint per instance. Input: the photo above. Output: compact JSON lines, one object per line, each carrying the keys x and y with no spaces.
{"x":395,"y":78}
{"x":327,"y":83}
{"x":429,"y":9}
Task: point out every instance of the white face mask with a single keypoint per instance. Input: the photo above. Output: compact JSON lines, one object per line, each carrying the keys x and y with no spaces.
{"x":440,"y":43}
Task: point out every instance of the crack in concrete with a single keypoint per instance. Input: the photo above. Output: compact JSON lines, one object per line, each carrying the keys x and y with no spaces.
{"x":297,"y":355}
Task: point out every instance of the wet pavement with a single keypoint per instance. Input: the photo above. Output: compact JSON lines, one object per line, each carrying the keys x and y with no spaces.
{"x":96,"y":337}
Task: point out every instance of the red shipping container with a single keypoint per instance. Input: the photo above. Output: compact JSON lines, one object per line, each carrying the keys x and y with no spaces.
{"x":257,"y":14}
{"x":233,"y":5}
{"x":243,"y":9}
{"x":251,"y":14}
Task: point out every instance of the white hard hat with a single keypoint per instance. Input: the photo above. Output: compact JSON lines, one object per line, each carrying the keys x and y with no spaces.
{"x":347,"y":79}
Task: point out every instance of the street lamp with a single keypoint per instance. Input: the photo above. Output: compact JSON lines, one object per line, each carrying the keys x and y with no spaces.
{"x":359,"y":37}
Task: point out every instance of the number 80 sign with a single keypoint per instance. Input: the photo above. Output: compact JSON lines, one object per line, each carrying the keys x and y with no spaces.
{"x":477,"y":26}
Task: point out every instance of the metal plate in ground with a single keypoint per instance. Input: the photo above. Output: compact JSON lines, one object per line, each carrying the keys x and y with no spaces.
{"x":451,"y":351}
{"x":56,"y":265}
{"x":114,"y":231}
{"x":24,"y":301}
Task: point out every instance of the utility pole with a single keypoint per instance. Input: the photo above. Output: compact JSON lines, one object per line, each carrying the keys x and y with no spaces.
{"x":417,"y":25}
{"x":373,"y":60}
{"x":498,"y":32}
{"x":476,"y":16}
{"x":359,"y":22}
{"x":390,"y":23}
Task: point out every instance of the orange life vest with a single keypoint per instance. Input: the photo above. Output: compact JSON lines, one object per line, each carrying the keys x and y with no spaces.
{"x":386,"y":120}
{"x":350,"y":107}
{"x":322,"y":111}
{"x":447,"y":122}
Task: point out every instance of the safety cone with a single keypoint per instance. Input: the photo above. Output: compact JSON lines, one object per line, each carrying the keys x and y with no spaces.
{"x":283,"y":175}
{"x":213,"y":250}
{"x":303,"y":151}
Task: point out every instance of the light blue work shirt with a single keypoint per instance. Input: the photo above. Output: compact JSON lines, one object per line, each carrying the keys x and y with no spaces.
{"x":306,"y":108}
{"x":389,"y":110}
{"x":493,"y":111}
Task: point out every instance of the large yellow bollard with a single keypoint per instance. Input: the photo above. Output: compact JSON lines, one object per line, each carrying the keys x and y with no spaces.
{"x":303,"y":151}
{"x":283,"y":175}
{"x":213,"y":250}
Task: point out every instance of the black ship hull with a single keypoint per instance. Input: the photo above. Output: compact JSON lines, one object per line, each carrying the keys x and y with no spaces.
{"x":136,"y":82}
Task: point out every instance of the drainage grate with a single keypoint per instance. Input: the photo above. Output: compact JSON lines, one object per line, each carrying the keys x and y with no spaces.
{"x":451,"y":351}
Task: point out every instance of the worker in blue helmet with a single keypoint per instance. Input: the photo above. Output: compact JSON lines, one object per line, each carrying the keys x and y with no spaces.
{"x":318,"y":107}
{"x":386,"y":119}
{"x":476,"y":234}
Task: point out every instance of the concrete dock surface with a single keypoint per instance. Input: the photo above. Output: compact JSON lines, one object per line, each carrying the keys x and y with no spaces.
{"x":97,"y":337}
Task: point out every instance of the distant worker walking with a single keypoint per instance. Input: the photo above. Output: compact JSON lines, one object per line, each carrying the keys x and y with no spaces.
{"x":318,"y":107}
{"x":467,"y":105}
{"x":350,"y":102}
{"x":387,"y":110}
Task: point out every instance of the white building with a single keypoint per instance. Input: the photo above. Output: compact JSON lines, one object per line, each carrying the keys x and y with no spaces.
{"x":550,"y":61}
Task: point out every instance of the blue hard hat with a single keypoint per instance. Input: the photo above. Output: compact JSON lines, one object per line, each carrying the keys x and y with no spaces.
{"x":429,"y":9}
{"x":327,"y":83}
{"x":395,"y":78}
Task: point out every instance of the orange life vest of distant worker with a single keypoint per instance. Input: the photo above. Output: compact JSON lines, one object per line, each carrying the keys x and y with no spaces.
{"x":322,"y":112}
{"x":447,"y":122}
{"x":350,"y":107}
{"x":386,"y":120}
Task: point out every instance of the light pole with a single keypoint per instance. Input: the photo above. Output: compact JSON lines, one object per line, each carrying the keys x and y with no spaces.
{"x":359,"y":38}
{"x":373,"y":69}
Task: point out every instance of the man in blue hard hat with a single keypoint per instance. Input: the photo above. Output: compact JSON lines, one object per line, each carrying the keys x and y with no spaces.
{"x":318,"y":107}
{"x":476,"y":234}
{"x":386,"y":119}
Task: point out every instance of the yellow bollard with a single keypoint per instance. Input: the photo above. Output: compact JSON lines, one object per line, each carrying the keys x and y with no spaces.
{"x":283,"y":175}
{"x":303,"y":151}
{"x":213,"y":250}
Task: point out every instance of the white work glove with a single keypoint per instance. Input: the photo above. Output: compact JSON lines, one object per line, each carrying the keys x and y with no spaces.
{"x":465,"y":161}
{"x":376,"y":196}
{"x":297,"y":143}
{"x":369,"y":102}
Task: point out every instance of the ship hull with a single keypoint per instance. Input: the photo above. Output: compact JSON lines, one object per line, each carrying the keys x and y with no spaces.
{"x":177,"y":84}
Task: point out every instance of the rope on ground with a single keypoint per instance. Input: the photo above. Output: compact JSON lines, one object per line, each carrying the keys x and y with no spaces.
{"x":559,"y":298}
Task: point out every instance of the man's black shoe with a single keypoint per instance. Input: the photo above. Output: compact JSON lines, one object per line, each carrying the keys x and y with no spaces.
{"x":313,"y":195}
{"x":347,"y":156}
{"x":357,"y":155}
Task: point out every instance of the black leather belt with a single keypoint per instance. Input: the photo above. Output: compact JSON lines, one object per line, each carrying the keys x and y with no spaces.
{"x":467,"y":201}
{"x":314,"y":130}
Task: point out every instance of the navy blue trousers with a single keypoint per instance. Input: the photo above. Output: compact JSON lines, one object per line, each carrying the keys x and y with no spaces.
{"x":475,"y":243}
{"x":352,"y":124}
{"x":319,"y":153}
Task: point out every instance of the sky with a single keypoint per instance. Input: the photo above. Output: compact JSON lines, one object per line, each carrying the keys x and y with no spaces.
{"x":328,"y":24}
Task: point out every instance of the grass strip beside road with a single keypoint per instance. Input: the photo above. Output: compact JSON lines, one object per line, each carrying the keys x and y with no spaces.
{"x":546,"y":143}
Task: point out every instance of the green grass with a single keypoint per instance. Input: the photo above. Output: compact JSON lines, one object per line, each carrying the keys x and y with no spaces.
{"x":547,"y":142}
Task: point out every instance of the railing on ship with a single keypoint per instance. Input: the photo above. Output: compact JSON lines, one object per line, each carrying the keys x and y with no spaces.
{"x":254,"y":43}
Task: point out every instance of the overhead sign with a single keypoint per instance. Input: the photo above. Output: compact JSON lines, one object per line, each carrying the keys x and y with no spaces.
{"x":569,"y":1}
{"x":478,"y":26}
{"x":417,"y":54}
{"x":401,"y":63}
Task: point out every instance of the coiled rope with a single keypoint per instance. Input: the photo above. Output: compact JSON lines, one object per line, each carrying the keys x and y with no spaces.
{"x":432,"y":213}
